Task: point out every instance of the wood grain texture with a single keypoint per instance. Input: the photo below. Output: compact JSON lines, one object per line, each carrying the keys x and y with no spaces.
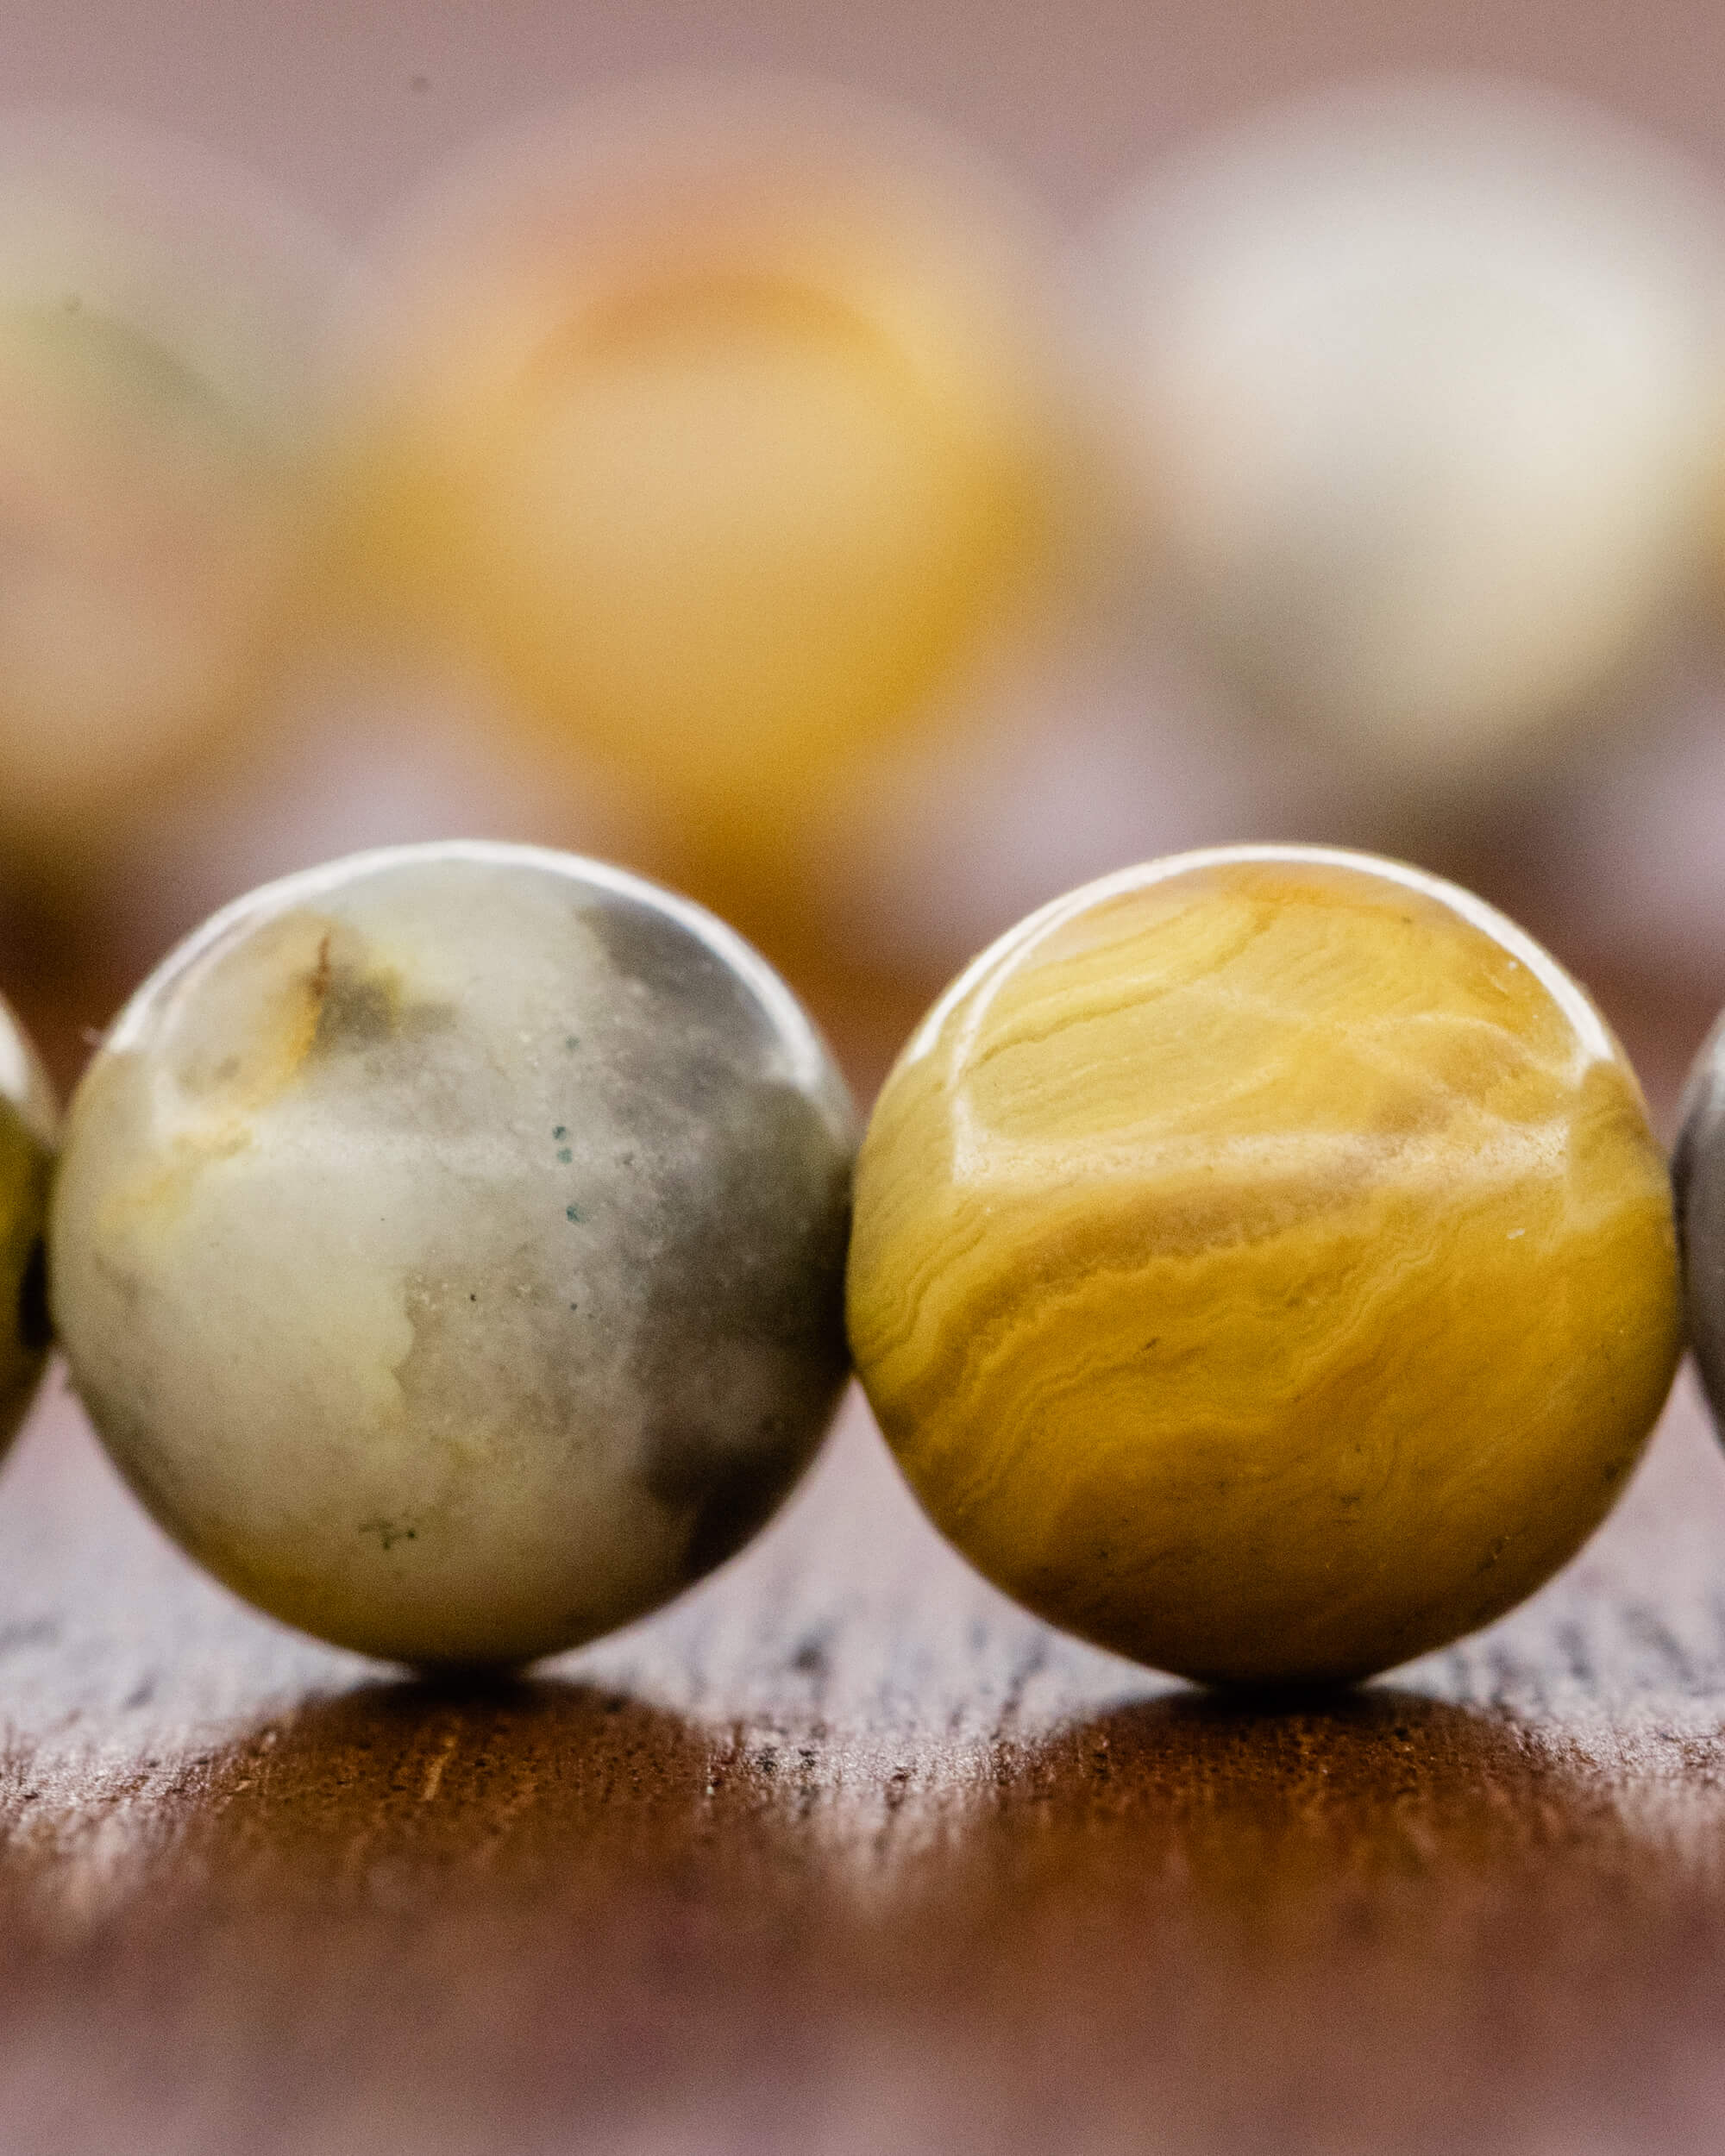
{"x":844,"y":1853}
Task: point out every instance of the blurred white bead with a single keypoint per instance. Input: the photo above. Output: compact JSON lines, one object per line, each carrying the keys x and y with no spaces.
{"x":1421,"y":384}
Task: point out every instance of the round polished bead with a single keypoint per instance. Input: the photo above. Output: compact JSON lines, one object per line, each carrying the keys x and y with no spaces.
{"x":449,"y":1245}
{"x":1263,"y":1265}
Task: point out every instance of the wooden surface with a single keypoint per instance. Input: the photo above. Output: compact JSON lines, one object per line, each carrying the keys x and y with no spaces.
{"x":844,"y":1854}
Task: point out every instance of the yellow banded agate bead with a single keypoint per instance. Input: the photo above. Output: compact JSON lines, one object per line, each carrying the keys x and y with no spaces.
{"x":1263,"y":1265}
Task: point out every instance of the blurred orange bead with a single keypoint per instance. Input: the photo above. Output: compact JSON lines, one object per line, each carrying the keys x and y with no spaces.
{"x":729,"y":428}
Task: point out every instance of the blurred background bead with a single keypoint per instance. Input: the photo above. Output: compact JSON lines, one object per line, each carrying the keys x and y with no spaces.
{"x":1263,"y":1266}
{"x":732,"y":427}
{"x":160,"y":320}
{"x":1421,"y":380}
{"x":448,"y":1246}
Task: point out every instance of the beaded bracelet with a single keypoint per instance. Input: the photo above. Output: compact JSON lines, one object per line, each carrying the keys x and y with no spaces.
{"x":1261,"y":1265}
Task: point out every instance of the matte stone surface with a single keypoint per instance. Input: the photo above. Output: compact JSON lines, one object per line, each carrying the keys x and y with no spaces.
{"x":1262,"y":1264}
{"x":449,"y":1248}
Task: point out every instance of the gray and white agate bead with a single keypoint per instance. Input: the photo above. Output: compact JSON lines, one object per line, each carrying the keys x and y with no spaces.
{"x":449,"y":1244}
{"x":1698,"y":1177}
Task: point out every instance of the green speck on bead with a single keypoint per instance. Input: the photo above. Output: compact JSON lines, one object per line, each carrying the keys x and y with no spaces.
{"x":572,"y":1212}
{"x":565,"y":1155}
{"x":571,"y":1042}
{"x":561,"y":1131}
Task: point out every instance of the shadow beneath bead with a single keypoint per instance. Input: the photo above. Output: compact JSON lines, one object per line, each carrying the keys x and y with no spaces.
{"x":1284,"y":1811}
{"x":466,"y":1909}
{"x":480,"y":1912}
{"x":493,"y":1786}
{"x":1374,"y":1918}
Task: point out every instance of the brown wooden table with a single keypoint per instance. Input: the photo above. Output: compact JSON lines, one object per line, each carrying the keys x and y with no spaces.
{"x":843,"y":1853}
